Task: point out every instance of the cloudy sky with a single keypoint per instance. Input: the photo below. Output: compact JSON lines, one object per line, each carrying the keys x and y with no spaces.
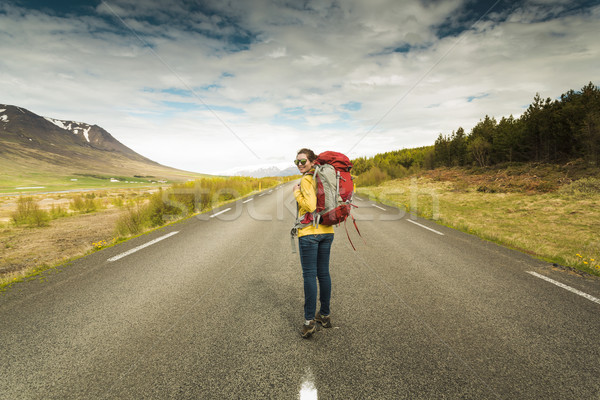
{"x":216,"y":86}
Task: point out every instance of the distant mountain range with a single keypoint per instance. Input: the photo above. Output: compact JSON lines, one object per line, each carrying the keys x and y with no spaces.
{"x":271,"y":171}
{"x":34,"y":148}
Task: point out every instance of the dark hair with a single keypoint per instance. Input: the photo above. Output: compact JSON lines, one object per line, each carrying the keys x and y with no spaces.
{"x":309,"y":153}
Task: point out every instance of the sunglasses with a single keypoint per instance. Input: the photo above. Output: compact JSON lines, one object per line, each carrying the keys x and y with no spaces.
{"x":302,"y":162}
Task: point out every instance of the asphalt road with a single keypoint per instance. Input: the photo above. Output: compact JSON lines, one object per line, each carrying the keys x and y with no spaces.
{"x":213,"y":311}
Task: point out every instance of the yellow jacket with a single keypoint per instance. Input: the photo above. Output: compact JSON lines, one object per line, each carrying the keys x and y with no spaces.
{"x":306,"y":197}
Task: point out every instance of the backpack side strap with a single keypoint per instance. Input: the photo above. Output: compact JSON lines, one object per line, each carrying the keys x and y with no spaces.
{"x":293,"y":234}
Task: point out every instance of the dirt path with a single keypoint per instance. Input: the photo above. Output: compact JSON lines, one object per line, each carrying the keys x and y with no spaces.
{"x":25,"y":248}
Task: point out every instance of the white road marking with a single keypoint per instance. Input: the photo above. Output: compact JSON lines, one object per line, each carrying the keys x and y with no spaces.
{"x":381,"y":208}
{"x":426,"y":227}
{"x":220,"y":212}
{"x":261,"y":195}
{"x":246,"y":201}
{"x":150,"y":243}
{"x":357,"y":198}
{"x":569,"y":288}
{"x":308,"y":390}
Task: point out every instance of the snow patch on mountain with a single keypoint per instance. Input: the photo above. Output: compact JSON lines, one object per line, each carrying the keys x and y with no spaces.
{"x":79,"y":126}
{"x":86,"y":133}
{"x":57,"y":122}
{"x":3,"y":118}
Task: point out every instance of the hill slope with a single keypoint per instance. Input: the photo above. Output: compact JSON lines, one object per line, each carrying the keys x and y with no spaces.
{"x":36,"y":150}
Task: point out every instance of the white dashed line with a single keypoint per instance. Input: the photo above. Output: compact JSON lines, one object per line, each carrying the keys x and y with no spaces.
{"x":220,"y":212}
{"x":381,"y":208}
{"x":261,"y":195}
{"x":569,"y":288}
{"x":426,"y":227}
{"x":246,"y":201}
{"x":150,"y":243}
{"x":308,"y":390}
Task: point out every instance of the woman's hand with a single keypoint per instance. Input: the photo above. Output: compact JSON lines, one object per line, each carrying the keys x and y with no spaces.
{"x":296,"y":187}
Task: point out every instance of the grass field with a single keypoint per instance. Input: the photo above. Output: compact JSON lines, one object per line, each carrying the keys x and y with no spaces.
{"x":74,"y":183}
{"x":43,"y":182}
{"x":80,"y":222}
{"x":561,"y":226}
{"x":68,"y":231}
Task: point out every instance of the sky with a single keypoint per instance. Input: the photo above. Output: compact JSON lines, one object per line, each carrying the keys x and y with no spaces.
{"x":220,"y":86}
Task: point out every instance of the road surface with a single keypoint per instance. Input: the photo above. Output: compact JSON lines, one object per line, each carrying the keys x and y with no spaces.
{"x":210,"y":308}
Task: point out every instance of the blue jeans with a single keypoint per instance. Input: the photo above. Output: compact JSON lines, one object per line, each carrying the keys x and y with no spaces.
{"x":314,"y":256}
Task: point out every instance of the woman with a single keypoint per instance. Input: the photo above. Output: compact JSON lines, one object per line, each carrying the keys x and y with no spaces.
{"x":315,"y":245}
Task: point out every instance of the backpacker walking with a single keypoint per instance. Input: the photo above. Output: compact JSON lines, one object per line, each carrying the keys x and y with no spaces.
{"x":314,"y":242}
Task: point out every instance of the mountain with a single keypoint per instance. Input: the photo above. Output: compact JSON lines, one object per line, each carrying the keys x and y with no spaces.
{"x":34,"y":148}
{"x":271,"y":171}
{"x":97,"y":137}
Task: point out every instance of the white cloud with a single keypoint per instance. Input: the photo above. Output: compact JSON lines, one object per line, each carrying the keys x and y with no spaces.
{"x":265,"y":57}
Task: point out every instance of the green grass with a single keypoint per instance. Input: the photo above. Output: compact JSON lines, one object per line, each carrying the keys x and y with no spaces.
{"x":557,"y":227}
{"x":49,"y":183}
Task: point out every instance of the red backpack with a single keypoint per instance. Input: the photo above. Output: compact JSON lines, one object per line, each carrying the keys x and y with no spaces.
{"x":334,"y":193}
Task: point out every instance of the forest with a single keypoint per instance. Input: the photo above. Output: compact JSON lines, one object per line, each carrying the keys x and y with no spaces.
{"x":549,"y":131}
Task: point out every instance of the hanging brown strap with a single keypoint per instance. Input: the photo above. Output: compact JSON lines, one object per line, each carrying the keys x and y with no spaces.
{"x":347,"y":234}
{"x":354,"y":221}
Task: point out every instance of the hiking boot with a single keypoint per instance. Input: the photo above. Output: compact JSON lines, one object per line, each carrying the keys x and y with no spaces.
{"x":323,"y":320}
{"x":308,"y":330}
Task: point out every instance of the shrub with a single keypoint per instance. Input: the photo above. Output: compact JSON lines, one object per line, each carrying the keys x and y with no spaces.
{"x":372,"y":177}
{"x":57,"y":212}
{"x":397,"y":171}
{"x":117,"y":201}
{"x":132,"y":222}
{"x":28,"y":213}
{"x":545,"y":187}
{"x":140,"y":216}
{"x":488,"y":189}
{"x":584,"y":186}
{"x":204,"y":193}
{"x":186,"y":198}
{"x":85,"y":205}
{"x":157,"y":211}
